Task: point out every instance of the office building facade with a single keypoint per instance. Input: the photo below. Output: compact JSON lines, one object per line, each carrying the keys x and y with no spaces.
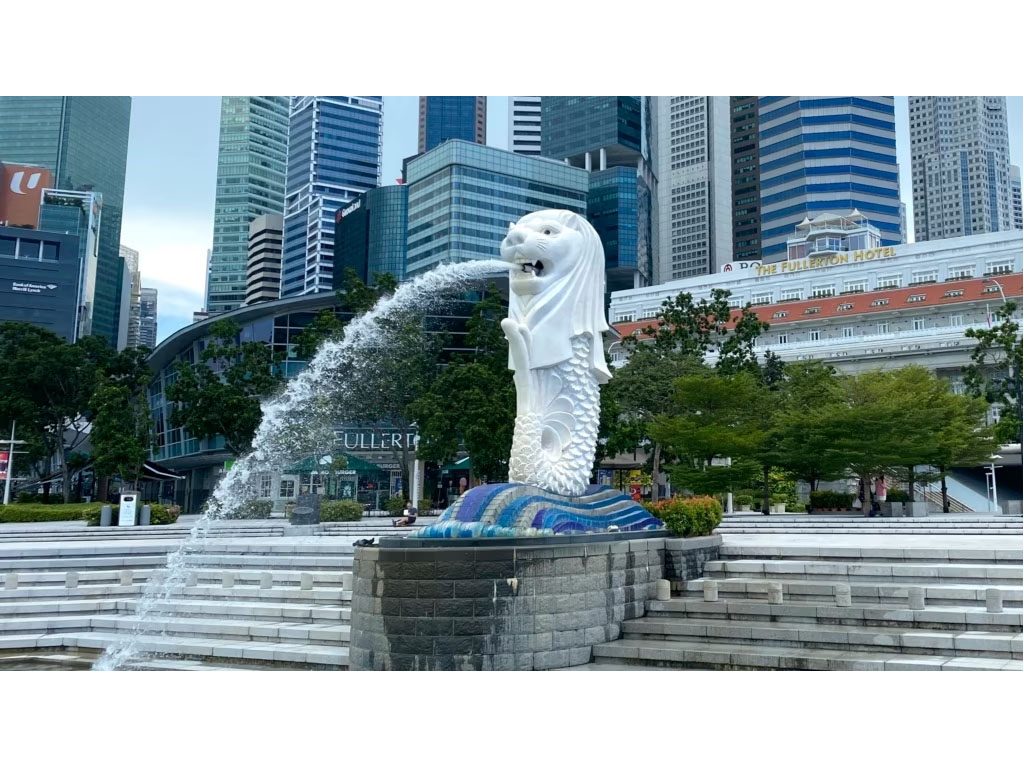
{"x":40,"y":277}
{"x":134,"y":299}
{"x":960,"y":163}
{"x":371,"y":235}
{"x":251,"y":160}
{"x":695,"y":218}
{"x":524,"y":125}
{"x":452,"y":117}
{"x":826,"y":155}
{"x":263,"y":276}
{"x":462,"y":197}
{"x":147,"y":317}
{"x":334,"y":154}
{"x":1015,"y":200}
{"x":746,"y":179}
{"x":83,"y":141}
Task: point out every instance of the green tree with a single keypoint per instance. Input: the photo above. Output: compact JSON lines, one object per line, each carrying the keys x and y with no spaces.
{"x":996,"y":369}
{"x":221,"y":394}
{"x":962,"y":438}
{"x":122,"y":434}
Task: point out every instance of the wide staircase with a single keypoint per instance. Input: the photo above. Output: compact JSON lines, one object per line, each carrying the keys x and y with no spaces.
{"x":951,"y":524}
{"x":271,"y":601}
{"x":783,"y":607}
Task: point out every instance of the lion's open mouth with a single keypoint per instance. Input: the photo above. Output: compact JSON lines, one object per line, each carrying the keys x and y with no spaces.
{"x":536,"y":268}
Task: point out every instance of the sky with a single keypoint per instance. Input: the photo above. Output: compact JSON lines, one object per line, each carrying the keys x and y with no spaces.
{"x":172,"y":175}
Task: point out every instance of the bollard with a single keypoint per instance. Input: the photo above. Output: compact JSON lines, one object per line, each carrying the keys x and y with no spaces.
{"x":266,"y":580}
{"x":710,"y":591}
{"x":228,"y":580}
{"x":774,"y":593}
{"x":915,"y":597}
{"x":346,"y":581}
{"x":192,"y":579}
{"x":147,"y":512}
{"x":306,"y":581}
{"x":71,"y":579}
{"x":11,"y":581}
{"x":127,"y":578}
{"x":663,"y":589}
{"x":843,"y":596}
{"x":994,"y":600}
{"x":106,"y":516}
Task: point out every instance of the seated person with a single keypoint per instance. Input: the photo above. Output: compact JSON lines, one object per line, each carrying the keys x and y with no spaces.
{"x":410,"y":515}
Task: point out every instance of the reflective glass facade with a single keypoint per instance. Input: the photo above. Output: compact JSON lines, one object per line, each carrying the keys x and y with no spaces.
{"x":452,"y":117}
{"x":462,"y":197}
{"x":84,"y":141}
{"x":619,"y":208}
{"x":334,"y":154}
{"x":370,"y":235}
{"x":571,"y":125}
{"x":78,"y":214}
{"x":250,"y":182}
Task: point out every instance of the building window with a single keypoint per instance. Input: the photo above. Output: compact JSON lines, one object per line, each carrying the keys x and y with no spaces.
{"x":777,"y":315}
{"x":930,"y":276}
{"x":761,"y":298}
{"x":625,"y":317}
{"x":287,"y":489}
{"x":648,"y":314}
{"x":919,"y":323}
{"x":879,"y":302}
{"x":890,"y":281}
{"x":915,"y":298}
{"x":953,"y":294}
{"x":958,"y":387}
{"x":819,"y":291}
{"x":783,"y":338}
{"x":792,"y":295}
{"x":266,"y":486}
{"x":999,"y":267}
{"x":844,"y":307}
{"x":812,"y":310}
{"x":735,"y":302}
{"x":960,"y":273}
{"x":883,"y":327}
{"x":990,"y":289}
{"x":847,"y":331}
{"x":815,"y":335}
{"x":855,"y":286}
{"x":956,"y":320}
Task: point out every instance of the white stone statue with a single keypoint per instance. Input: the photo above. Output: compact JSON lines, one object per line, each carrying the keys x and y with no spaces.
{"x":554,"y":325}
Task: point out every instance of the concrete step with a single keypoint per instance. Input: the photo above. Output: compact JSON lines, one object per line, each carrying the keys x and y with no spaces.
{"x":242,"y":576}
{"x":1009,"y":556}
{"x":723,"y":655}
{"x":205,"y":627}
{"x":303,"y":654}
{"x":213,"y":591}
{"x":946,"y":618}
{"x":875,"y":593}
{"x":916,"y":572}
{"x":866,"y":530}
{"x":860,"y":638}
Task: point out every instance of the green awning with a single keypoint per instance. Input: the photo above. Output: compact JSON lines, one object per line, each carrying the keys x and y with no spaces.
{"x":464,"y":464}
{"x":311,"y":464}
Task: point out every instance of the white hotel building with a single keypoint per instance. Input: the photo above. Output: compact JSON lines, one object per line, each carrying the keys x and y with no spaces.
{"x":842,"y":299}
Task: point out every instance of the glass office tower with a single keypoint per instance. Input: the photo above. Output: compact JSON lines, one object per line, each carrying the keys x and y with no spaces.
{"x":452,"y":117}
{"x":370,"y":235}
{"x":250,"y":182}
{"x":84,"y":141}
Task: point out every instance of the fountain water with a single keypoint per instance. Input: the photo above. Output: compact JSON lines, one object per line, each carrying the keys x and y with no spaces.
{"x":301,"y":417}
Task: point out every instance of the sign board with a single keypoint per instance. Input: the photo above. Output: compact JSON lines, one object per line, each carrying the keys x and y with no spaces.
{"x":374,"y":439}
{"x":739,"y":266}
{"x":127,"y":513}
{"x":605,"y":476}
{"x":5,"y":458}
{"x":21,"y":191}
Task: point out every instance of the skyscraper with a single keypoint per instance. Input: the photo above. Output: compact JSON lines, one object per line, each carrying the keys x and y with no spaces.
{"x":1018,"y":215}
{"x":452,"y":117}
{"x":263,"y":275}
{"x":370,"y":235}
{"x":524,"y":124}
{"x":609,"y":137}
{"x":250,"y":181}
{"x":147,"y":324}
{"x":834,"y":155}
{"x":131,"y":268}
{"x":695,"y":216}
{"x":462,"y":197}
{"x":83,"y":140}
{"x":960,"y":160}
{"x":746,"y":180}
{"x":334,"y":153}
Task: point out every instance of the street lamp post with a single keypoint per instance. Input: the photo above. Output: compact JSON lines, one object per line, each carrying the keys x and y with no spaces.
{"x":9,"y":469}
{"x":997,"y":285}
{"x":991,"y":472}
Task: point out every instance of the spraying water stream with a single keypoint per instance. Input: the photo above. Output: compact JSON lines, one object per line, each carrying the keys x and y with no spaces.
{"x":298,"y":422}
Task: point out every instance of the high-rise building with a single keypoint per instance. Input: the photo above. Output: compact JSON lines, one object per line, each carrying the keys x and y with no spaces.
{"x":826,"y":155}
{"x":1018,"y":215}
{"x":263,"y":278}
{"x":334,"y":154}
{"x":746,"y":180}
{"x":462,"y":197}
{"x":79,"y":214}
{"x":83,"y":141}
{"x":524,"y":125}
{"x":370,"y":235}
{"x":695,"y":212}
{"x":960,"y":161}
{"x":39,"y":279}
{"x":134,"y":298}
{"x":452,"y":117}
{"x":251,"y":162}
{"x":609,"y":136}
{"x":147,"y":325}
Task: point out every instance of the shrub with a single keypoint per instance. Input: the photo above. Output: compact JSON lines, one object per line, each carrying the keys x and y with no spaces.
{"x":831,"y":500}
{"x":158,"y":513}
{"x":897,"y":494}
{"x":340,"y":511}
{"x":253,"y":509}
{"x":696,"y":516}
{"x":779,"y":498}
{"x":744,"y":500}
{"x":43,"y":513}
{"x":395,"y":505}
{"x":30,"y":498}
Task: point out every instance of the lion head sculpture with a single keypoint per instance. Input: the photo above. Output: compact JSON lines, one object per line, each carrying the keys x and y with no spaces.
{"x":558,"y":292}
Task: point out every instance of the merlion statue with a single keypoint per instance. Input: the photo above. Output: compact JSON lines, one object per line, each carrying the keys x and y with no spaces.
{"x":554,"y":326}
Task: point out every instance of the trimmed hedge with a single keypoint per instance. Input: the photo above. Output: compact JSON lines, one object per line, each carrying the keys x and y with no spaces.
{"x":831,"y":500}
{"x":254,"y":509}
{"x":395,"y":505}
{"x":158,"y":513}
{"x":689,"y":517}
{"x":44,"y":513}
{"x":744,"y":500}
{"x":897,"y":494}
{"x":340,"y":511}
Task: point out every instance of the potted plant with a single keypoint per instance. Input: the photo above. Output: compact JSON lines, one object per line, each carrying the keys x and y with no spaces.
{"x":743,"y":501}
{"x":778,"y":504}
